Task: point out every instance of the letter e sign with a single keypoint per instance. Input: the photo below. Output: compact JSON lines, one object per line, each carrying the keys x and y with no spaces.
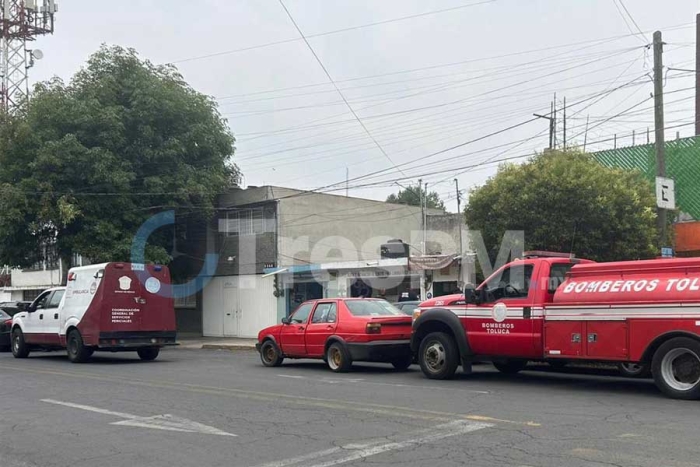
{"x":665,"y":193}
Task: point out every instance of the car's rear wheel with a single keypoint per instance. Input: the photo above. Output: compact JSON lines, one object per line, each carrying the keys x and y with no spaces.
{"x":676,"y":368}
{"x":438,"y":356}
{"x":77,"y":351}
{"x":19,"y":347}
{"x":270,"y":354}
{"x":338,"y":358}
{"x":402,"y":363}
{"x":148,"y":354}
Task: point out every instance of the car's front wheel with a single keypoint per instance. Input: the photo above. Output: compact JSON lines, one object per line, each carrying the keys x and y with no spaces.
{"x":19,"y":347}
{"x":270,"y":354}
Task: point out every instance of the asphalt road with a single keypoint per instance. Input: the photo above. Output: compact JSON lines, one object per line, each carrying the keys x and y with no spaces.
{"x":218,"y":408}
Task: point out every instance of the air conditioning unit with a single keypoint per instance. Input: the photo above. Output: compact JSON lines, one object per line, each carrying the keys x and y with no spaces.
{"x":30,"y":5}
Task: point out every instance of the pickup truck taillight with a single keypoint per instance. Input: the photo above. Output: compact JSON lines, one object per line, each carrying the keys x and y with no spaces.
{"x":374,"y":328}
{"x":7,"y":324}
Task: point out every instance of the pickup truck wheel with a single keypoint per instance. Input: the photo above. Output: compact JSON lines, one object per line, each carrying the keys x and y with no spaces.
{"x":270,"y":354}
{"x":634,"y":370}
{"x":510,"y":367}
{"x":338,"y":358}
{"x":77,"y":352}
{"x":19,"y":347}
{"x":402,"y":363}
{"x":148,"y":354}
{"x":676,"y":368}
{"x":438,"y":356}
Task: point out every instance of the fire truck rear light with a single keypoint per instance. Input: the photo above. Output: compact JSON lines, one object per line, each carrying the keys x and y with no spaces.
{"x":374,"y":328}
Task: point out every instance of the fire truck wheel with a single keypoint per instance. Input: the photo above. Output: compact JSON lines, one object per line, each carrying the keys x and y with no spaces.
{"x":634,"y":370}
{"x":338,"y":358}
{"x":510,"y":367}
{"x":270,"y":354}
{"x":438,"y":356}
{"x":148,"y":354}
{"x":19,"y":347}
{"x":77,"y":352}
{"x":676,"y":368}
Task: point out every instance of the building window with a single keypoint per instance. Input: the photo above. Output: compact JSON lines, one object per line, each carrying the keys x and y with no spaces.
{"x":245,"y":222}
{"x":30,"y":295}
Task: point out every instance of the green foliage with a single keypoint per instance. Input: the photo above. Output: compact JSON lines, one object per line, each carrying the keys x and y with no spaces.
{"x":411,"y":195}
{"x":568,"y":202}
{"x":84,"y":164}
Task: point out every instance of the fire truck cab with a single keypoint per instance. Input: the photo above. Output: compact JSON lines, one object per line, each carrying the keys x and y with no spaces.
{"x":555,"y":308}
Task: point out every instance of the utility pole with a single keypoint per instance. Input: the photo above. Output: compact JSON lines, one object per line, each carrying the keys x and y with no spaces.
{"x":659,"y":125}
{"x":347,"y":182}
{"x":422,"y":213}
{"x":564,"y":123}
{"x":585,"y":135}
{"x":697,"y":75}
{"x":551,"y":124}
{"x":554,"y":123}
{"x":461,"y":221}
{"x":21,"y":21}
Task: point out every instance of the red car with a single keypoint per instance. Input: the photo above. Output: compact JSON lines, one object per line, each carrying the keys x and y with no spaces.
{"x":340,"y":331}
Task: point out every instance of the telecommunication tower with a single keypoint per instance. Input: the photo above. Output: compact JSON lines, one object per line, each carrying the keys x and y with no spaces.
{"x":21,"y":21}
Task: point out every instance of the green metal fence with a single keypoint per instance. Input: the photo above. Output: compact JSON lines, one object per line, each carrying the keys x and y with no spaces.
{"x":682,"y":165}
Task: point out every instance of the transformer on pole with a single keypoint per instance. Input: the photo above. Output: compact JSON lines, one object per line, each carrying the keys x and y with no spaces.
{"x":21,"y":21}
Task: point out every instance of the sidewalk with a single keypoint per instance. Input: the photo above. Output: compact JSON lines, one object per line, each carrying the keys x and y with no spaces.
{"x":193,"y":341}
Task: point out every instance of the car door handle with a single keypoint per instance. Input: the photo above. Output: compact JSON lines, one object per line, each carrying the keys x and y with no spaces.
{"x":329,"y":327}
{"x":301,"y":328}
{"x":55,"y":316}
{"x":41,"y":316}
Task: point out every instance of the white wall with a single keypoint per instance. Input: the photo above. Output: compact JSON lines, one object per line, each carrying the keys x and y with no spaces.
{"x":250,"y":296}
{"x":36,"y":279}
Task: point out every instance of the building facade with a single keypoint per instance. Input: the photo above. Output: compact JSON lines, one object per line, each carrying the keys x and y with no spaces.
{"x":277,"y":247}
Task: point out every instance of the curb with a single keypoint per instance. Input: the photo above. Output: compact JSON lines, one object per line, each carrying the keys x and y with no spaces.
{"x":230,"y":347}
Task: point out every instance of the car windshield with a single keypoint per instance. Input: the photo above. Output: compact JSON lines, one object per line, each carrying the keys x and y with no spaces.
{"x":372,"y":308}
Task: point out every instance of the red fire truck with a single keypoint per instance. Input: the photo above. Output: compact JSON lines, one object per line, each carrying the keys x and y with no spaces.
{"x":555,"y":308}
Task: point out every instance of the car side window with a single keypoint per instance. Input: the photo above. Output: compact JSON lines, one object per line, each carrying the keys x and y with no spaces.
{"x":301,"y":315}
{"x":41,"y":301}
{"x":321,"y":313}
{"x":325,"y":313}
{"x":332,"y":314}
{"x":55,"y":299}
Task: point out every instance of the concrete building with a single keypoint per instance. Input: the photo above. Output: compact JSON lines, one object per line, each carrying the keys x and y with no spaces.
{"x":278,"y":247}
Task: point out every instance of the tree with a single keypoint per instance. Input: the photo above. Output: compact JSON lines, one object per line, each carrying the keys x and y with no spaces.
{"x":84,"y":164}
{"x":567,"y":202}
{"x":411,"y":195}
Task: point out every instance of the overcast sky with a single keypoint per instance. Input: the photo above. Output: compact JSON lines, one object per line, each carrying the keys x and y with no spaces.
{"x":419,"y":85}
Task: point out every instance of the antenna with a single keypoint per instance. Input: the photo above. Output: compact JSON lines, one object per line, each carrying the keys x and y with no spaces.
{"x":21,"y":21}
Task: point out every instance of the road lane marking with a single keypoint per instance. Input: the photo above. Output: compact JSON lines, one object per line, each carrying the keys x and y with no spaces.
{"x":395,"y":385}
{"x":165,"y":422}
{"x":363,"y":451}
{"x":349,"y":406}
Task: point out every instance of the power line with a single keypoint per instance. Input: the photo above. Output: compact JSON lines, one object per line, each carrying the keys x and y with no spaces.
{"x":337,"y":31}
{"x":633,"y":21}
{"x":291,"y":18}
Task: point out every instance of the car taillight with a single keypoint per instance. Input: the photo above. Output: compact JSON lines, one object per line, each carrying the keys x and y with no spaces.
{"x":374,"y":328}
{"x":7,"y":324}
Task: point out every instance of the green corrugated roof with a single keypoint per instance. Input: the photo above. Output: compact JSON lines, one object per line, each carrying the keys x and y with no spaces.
{"x":682,"y":164}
